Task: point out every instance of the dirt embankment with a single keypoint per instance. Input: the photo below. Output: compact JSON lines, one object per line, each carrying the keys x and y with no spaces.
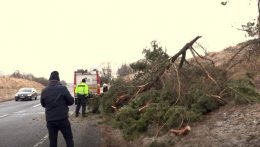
{"x":9,"y":86}
{"x":239,"y":60}
{"x":229,"y":126}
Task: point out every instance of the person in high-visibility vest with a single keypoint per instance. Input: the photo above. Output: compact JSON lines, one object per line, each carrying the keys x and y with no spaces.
{"x":82,"y":92}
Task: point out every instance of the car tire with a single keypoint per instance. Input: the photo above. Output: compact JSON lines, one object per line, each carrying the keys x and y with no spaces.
{"x":16,"y":99}
{"x":35,"y":98}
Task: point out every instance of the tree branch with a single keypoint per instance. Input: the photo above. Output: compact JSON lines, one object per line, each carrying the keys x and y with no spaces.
{"x":204,"y":69}
{"x":184,"y":49}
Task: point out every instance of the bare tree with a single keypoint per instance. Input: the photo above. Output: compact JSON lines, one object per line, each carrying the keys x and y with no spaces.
{"x":124,"y":70}
{"x":106,"y":73}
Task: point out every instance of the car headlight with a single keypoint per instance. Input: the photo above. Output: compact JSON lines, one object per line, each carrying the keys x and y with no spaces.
{"x":16,"y":94}
{"x":30,"y":94}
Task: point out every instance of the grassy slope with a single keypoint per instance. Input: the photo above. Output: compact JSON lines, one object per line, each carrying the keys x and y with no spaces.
{"x":223,"y":57}
{"x":9,"y":86}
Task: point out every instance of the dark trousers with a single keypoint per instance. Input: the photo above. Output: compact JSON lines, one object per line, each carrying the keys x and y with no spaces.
{"x":82,"y":101}
{"x":61,"y":125}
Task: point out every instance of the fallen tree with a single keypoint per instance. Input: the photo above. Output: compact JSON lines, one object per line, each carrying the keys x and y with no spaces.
{"x":171,"y":98}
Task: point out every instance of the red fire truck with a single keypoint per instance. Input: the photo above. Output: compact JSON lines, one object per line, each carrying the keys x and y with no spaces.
{"x":92,"y":80}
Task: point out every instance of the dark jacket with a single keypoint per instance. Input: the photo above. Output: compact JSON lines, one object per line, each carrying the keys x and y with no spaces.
{"x":56,"y":99}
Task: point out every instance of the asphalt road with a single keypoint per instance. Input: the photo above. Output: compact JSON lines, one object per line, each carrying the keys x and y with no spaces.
{"x":22,"y":124}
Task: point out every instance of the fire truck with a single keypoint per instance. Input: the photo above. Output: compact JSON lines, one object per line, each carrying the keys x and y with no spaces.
{"x":92,"y":80}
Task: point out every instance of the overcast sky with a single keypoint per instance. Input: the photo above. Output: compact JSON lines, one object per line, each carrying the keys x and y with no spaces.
{"x":38,"y":36}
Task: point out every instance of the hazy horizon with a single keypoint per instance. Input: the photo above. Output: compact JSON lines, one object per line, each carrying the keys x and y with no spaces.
{"x":41,"y":36}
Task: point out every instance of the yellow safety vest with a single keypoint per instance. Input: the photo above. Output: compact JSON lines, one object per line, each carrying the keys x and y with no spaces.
{"x":82,"y":89}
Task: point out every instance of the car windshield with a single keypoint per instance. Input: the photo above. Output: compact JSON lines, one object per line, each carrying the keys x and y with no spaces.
{"x":25,"y":90}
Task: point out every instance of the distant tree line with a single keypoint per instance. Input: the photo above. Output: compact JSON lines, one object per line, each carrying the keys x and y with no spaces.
{"x":30,"y":77}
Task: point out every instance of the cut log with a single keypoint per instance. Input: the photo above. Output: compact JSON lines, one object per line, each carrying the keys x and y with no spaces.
{"x":182,"y":131}
{"x":122,"y":98}
{"x":142,"y":88}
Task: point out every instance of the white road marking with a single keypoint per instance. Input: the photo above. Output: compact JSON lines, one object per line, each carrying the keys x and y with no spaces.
{"x":1,"y":116}
{"x":41,"y":141}
{"x":46,"y":136}
{"x":20,"y":111}
{"x":36,"y":105}
{"x":42,"y":112}
{"x":71,"y":112}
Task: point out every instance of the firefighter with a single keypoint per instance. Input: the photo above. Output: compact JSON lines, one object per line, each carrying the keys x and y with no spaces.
{"x":82,"y":93}
{"x":105,"y":88}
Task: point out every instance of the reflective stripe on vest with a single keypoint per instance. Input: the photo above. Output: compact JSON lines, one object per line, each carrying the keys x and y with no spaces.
{"x":80,"y":89}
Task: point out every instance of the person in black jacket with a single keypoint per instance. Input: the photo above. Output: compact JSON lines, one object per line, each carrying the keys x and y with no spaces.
{"x":56,"y":98}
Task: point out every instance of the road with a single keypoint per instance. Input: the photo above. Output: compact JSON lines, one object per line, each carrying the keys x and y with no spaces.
{"x":22,"y":124}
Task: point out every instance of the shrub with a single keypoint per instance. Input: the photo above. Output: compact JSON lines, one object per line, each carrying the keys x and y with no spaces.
{"x":177,"y":115}
{"x":243,"y":91}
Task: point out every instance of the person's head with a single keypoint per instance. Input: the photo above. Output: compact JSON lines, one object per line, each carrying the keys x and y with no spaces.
{"x":83,"y":80}
{"x":54,"y":76}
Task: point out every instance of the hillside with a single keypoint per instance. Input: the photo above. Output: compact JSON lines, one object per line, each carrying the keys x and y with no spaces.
{"x":239,"y":60}
{"x":9,"y":86}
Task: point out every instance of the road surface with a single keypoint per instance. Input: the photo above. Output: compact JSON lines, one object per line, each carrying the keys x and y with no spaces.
{"x":22,"y":124}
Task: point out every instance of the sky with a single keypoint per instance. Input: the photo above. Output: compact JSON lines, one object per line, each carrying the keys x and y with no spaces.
{"x":39,"y":36}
